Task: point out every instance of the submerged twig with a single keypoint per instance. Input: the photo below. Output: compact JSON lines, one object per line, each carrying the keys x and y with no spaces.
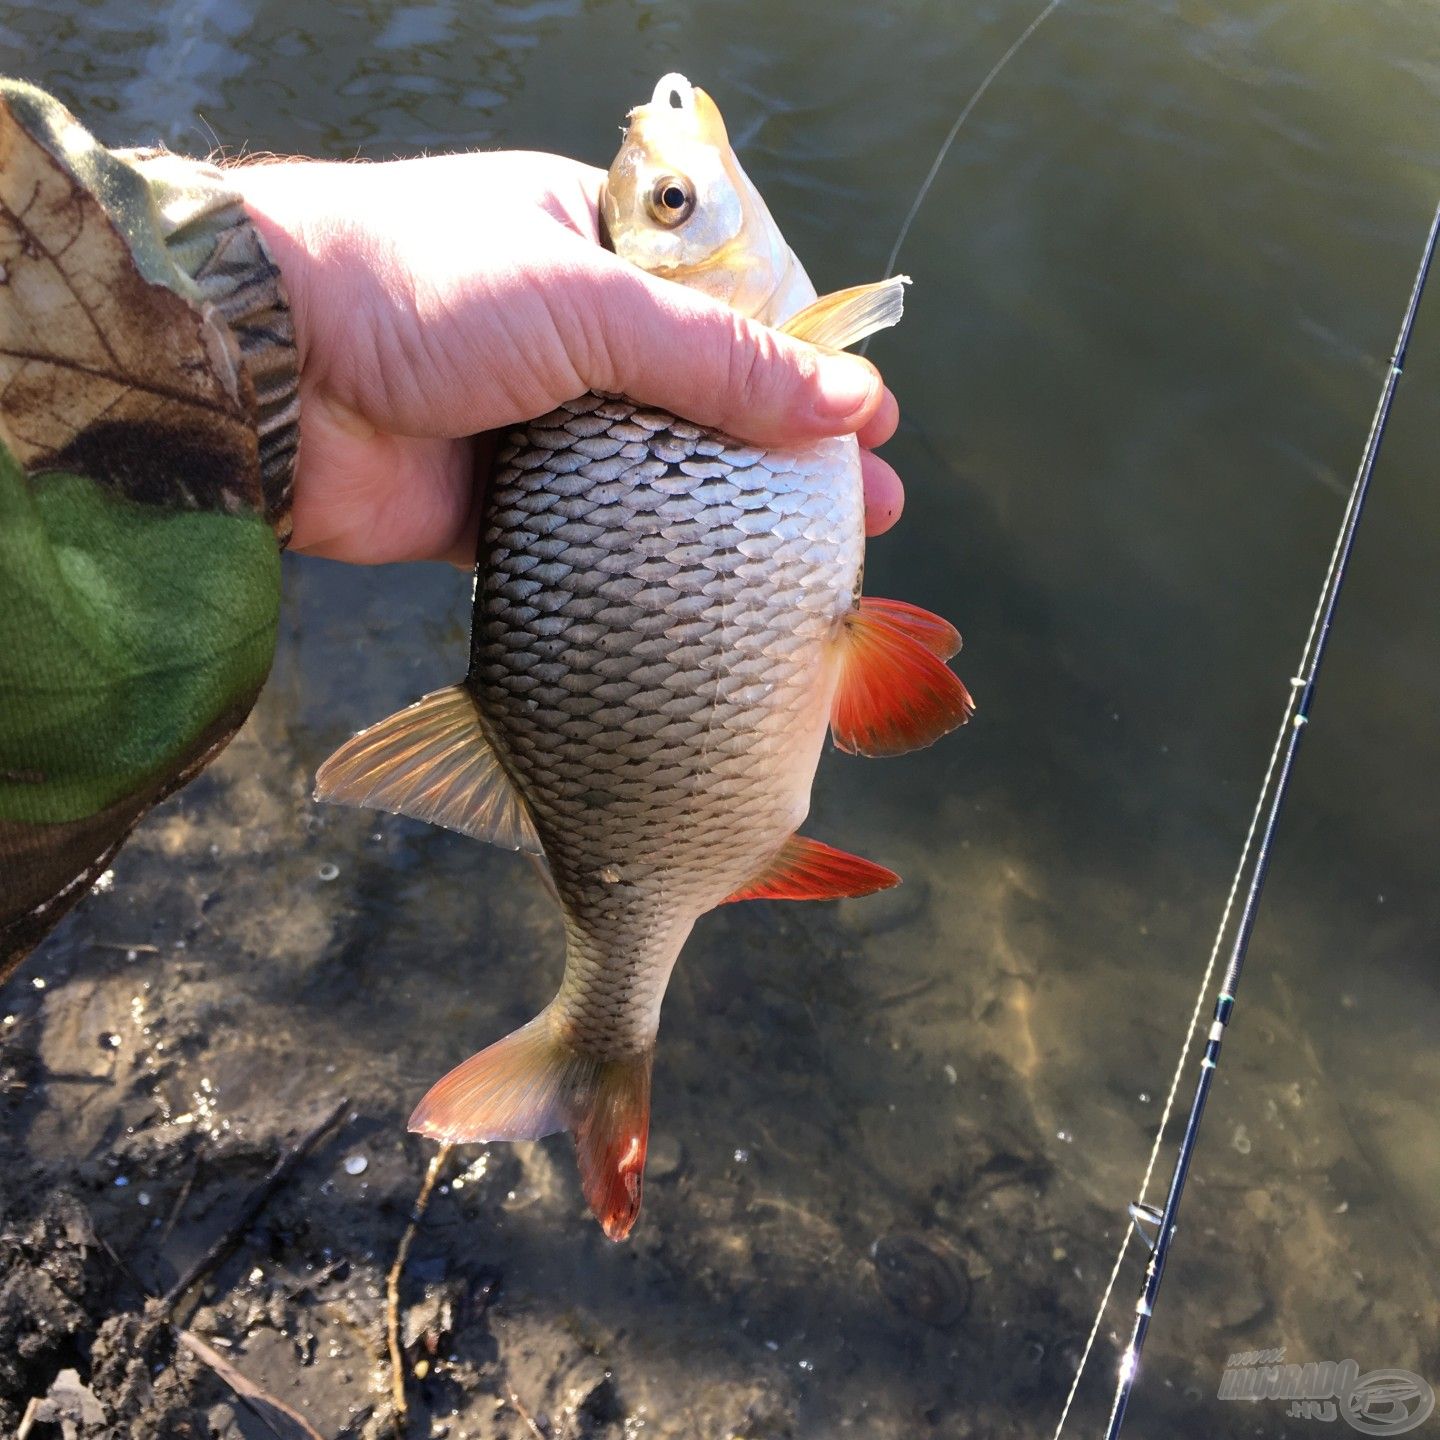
{"x":179,"y":1204}
{"x":250,"y":1211}
{"x":907,"y":992}
{"x":280,"y":1419}
{"x":27,"y":1420}
{"x":392,"y":1287}
{"x":518,"y":1406}
{"x":299,"y":1284}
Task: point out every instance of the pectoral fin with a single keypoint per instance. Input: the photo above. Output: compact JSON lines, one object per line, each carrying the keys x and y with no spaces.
{"x":938,"y":636}
{"x":810,"y":870}
{"x":846,"y":317}
{"x":895,"y":692}
{"x":431,"y":761}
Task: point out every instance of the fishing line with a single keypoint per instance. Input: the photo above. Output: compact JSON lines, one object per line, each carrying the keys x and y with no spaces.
{"x":1273,"y":789}
{"x":949,"y":140}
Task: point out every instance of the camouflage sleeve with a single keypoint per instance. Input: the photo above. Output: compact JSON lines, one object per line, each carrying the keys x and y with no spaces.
{"x":148,"y":425}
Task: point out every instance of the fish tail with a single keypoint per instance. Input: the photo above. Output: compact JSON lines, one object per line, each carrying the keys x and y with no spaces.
{"x":611,"y":1130}
{"x":534,"y":1083}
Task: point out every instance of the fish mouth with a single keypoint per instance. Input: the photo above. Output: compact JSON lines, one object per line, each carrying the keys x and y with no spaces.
{"x":677,"y":108}
{"x":674,"y":92}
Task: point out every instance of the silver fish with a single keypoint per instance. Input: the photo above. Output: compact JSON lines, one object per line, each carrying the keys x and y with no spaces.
{"x":666,"y":623}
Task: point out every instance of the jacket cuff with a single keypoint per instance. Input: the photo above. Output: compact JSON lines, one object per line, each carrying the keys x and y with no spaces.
{"x":212,"y":238}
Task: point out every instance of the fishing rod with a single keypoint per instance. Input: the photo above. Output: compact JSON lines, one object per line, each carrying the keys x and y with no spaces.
{"x":1293,"y":726}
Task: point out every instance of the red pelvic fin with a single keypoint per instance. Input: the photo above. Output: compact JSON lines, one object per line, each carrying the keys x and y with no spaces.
{"x":938,"y":636}
{"x":895,"y":692}
{"x":809,"y":870}
{"x":533,"y":1083}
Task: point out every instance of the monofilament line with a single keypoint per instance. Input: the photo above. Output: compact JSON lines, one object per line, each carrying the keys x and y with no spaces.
{"x":1267,"y":807}
{"x":944,"y":150}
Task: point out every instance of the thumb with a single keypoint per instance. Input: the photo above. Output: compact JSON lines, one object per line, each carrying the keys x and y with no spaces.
{"x":665,"y":345}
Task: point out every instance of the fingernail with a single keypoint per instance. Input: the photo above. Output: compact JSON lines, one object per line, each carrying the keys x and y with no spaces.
{"x":845,"y":385}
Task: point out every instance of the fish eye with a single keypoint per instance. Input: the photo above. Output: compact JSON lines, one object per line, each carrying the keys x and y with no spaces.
{"x":672,"y":199}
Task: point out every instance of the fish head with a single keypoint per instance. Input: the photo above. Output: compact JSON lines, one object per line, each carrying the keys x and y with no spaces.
{"x":677,"y":204}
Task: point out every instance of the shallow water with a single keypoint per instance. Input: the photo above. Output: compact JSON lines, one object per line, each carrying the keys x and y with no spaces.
{"x":1156,"y":285}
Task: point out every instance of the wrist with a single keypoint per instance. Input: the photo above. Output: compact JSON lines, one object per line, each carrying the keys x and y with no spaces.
{"x":281,"y":202}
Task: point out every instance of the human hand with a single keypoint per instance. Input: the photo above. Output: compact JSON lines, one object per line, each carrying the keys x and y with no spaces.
{"x":438,"y":300}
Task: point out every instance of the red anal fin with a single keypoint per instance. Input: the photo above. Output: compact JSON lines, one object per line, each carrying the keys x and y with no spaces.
{"x":938,"y":636}
{"x":809,"y":870}
{"x":895,"y":692}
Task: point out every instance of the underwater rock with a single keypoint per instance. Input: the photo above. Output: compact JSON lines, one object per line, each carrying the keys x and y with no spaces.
{"x":667,"y":1155}
{"x":921,"y":1280}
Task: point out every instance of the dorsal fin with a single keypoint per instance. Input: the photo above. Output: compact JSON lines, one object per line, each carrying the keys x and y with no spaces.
{"x":895,"y":693}
{"x":846,"y":317}
{"x":431,"y":761}
{"x":811,"y":870}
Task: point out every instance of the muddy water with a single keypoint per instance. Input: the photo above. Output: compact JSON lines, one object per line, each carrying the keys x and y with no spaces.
{"x":1155,"y":289}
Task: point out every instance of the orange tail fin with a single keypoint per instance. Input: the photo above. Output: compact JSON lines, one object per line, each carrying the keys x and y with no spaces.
{"x":533,"y":1083}
{"x":611,"y":1136}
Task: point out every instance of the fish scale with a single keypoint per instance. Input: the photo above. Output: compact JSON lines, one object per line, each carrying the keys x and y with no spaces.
{"x":656,"y":681}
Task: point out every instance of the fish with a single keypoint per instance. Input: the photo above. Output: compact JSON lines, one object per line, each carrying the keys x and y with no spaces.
{"x":667,"y":622}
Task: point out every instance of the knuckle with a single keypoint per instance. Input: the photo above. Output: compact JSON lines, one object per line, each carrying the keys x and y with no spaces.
{"x":612,"y":335}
